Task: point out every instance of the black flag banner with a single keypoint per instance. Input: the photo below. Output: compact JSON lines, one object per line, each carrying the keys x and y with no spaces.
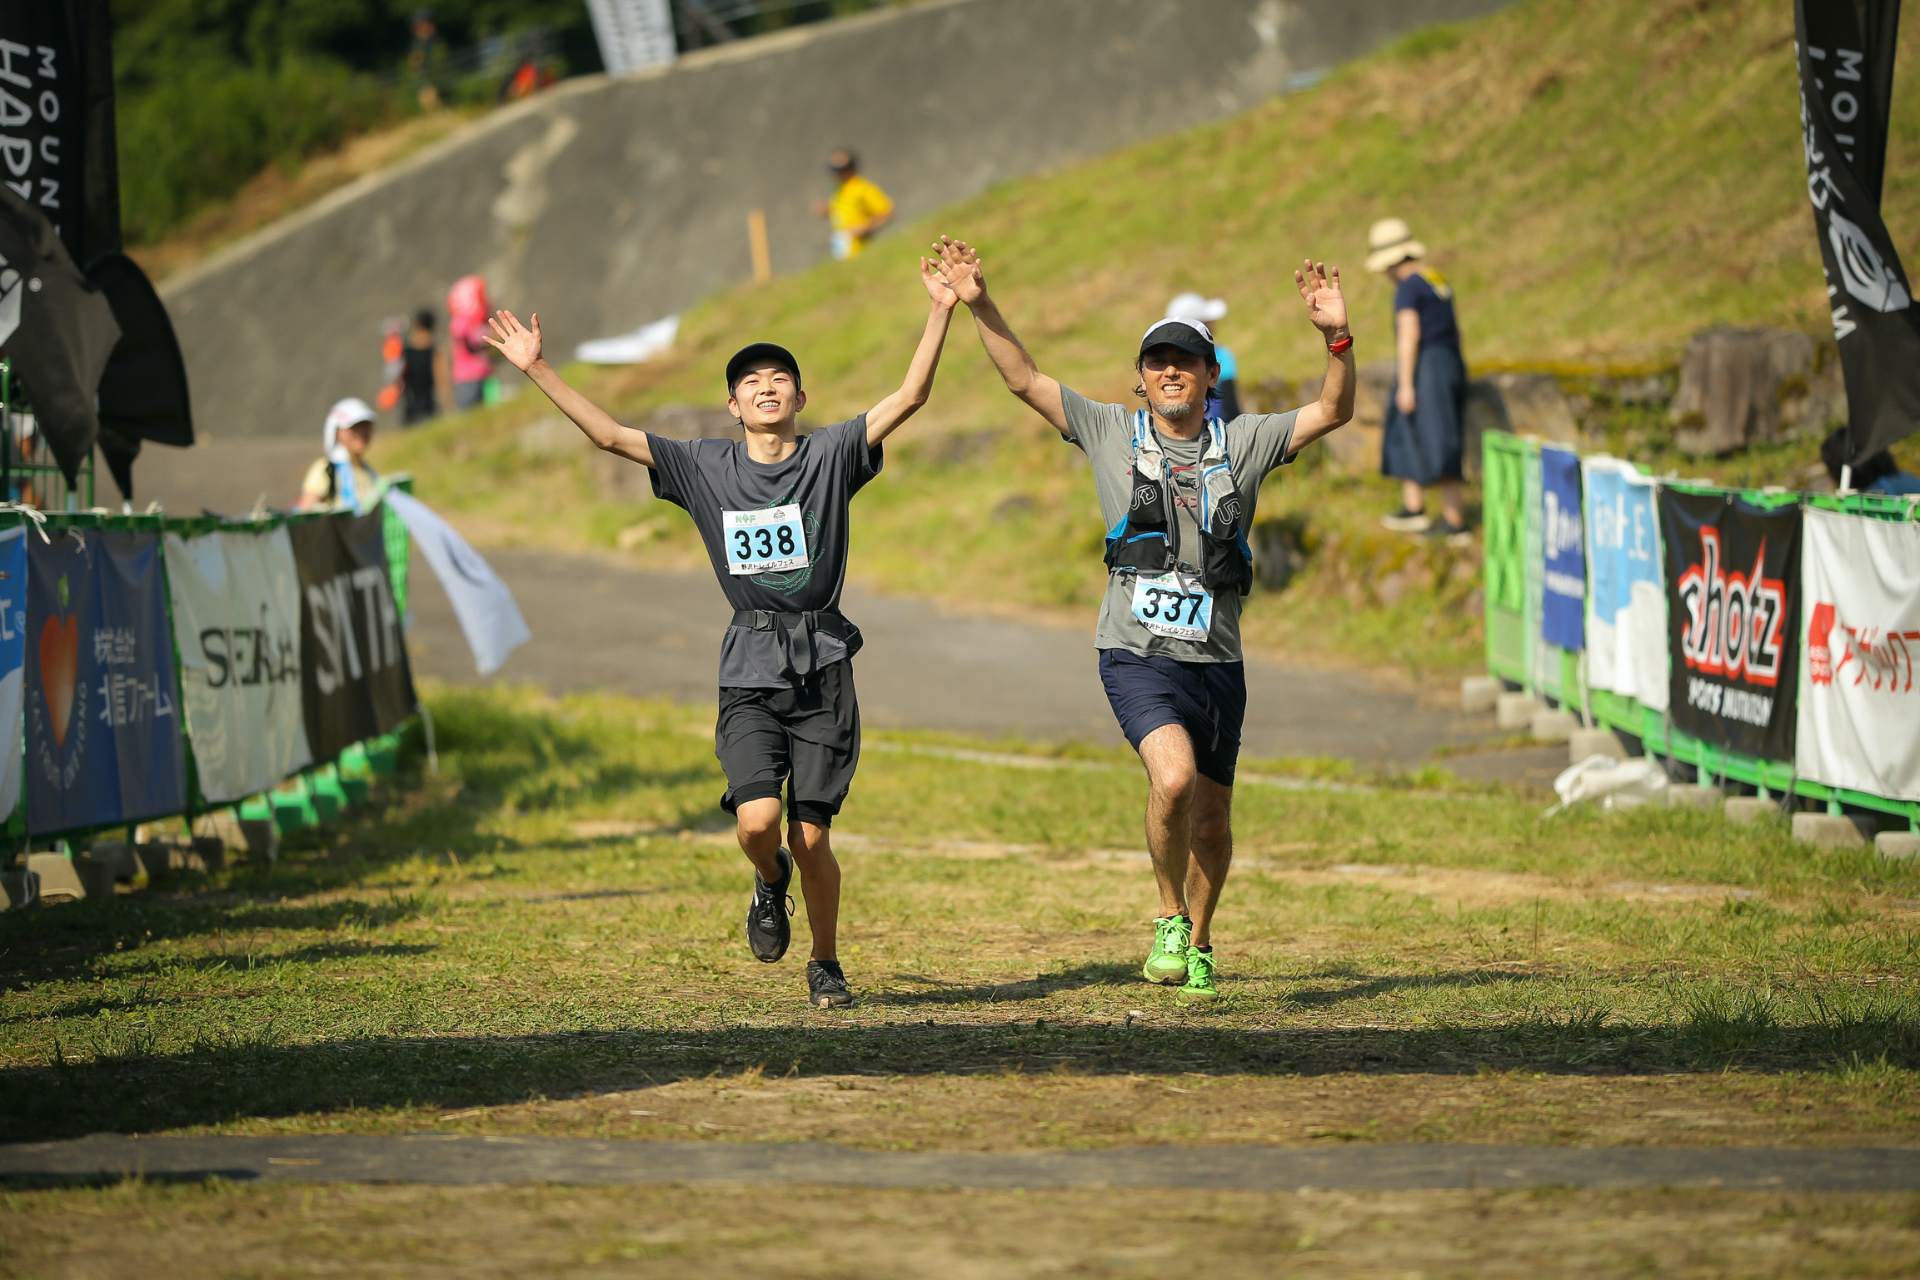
{"x":57,"y":149}
{"x":355,"y":680}
{"x":1846,"y":90}
{"x":1733,"y":620}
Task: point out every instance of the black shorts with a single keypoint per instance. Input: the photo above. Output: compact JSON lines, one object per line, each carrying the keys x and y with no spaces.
{"x":807,"y":737}
{"x":1207,"y":699}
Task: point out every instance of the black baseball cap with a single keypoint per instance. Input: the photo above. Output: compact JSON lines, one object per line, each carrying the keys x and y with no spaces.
{"x":1190,"y":336}
{"x":756,"y":354}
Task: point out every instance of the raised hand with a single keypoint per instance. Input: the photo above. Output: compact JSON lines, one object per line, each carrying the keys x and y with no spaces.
{"x":1320,"y":290}
{"x":519,"y":344}
{"x":962,"y":268}
{"x":933,"y":277}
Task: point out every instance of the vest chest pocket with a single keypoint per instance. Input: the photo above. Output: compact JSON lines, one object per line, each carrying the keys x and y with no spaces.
{"x":769,"y":540}
{"x":1172,"y":607}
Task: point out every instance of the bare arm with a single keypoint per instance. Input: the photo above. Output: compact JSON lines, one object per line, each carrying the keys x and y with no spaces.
{"x":1017,"y":369}
{"x":521,"y":346}
{"x":886,"y":416}
{"x":1406,"y":341}
{"x":1327,"y":309}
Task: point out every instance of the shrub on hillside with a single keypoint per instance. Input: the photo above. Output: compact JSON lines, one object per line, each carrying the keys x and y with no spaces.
{"x":188,"y":142}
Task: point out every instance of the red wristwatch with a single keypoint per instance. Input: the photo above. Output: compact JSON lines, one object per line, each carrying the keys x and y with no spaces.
{"x":1341,"y":347}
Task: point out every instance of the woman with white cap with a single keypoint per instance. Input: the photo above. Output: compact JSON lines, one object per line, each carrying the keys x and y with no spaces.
{"x":1421,"y":445}
{"x":1225,"y":401}
{"x":343,"y":480}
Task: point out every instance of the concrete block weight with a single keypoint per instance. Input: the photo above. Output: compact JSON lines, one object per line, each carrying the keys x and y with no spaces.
{"x":1744,"y":811}
{"x":1479,"y":694}
{"x":1515,"y":710}
{"x":19,"y":889}
{"x":1692,"y":796}
{"x":1594,"y":742}
{"x":1553,"y":726}
{"x":59,"y":881}
{"x":96,"y":877}
{"x":1831,"y":830}
{"x":117,"y":854}
{"x":1898,"y":845}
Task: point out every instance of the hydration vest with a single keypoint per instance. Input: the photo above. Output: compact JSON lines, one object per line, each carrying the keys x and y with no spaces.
{"x":1147,"y":539}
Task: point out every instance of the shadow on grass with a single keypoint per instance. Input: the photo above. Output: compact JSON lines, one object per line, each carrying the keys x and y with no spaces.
{"x":953,"y":993}
{"x":224,"y":1083}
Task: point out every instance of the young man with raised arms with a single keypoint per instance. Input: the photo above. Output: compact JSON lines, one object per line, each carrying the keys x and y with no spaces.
{"x":773,"y":512}
{"x":1177,"y":494}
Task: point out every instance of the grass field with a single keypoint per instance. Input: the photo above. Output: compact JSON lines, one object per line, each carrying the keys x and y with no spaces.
{"x":545,"y":939}
{"x":1579,"y":235}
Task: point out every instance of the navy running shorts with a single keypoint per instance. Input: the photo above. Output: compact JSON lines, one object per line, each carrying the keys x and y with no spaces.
{"x":806,"y":737}
{"x":1207,"y":699}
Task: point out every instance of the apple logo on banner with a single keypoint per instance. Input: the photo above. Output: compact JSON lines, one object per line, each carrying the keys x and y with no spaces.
{"x":1867,"y":277}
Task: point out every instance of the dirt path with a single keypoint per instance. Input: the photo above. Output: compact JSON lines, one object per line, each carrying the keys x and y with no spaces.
{"x":1383,"y":1166}
{"x":598,"y":625}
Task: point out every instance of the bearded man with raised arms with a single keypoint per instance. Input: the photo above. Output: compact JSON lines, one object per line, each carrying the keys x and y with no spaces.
{"x":772,"y":510}
{"x":1177,"y":493}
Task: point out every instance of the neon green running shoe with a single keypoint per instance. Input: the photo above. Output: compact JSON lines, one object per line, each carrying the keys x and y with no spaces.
{"x":1199,"y":988}
{"x":1167,"y":962}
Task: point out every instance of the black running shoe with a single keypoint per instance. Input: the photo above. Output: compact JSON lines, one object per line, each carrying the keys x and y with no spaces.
{"x":827,"y":986}
{"x":768,"y":928}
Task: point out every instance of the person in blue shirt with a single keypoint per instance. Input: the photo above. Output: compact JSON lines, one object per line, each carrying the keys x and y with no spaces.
{"x":1876,"y":474}
{"x":1225,"y":400}
{"x":1422,"y":443}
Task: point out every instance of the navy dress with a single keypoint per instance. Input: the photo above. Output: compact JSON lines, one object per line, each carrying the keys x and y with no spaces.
{"x":1426,"y":447}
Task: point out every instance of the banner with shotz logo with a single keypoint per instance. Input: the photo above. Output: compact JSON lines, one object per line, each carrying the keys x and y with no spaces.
{"x":1563,"y":547}
{"x":1859,"y":722}
{"x":1846,"y":89}
{"x":355,"y":680}
{"x":1627,"y":621}
{"x":1733,"y":602}
{"x":103,"y":741}
{"x":236,"y":619}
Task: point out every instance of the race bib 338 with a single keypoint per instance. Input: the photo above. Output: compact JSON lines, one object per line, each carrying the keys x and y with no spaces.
{"x":770,"y":540}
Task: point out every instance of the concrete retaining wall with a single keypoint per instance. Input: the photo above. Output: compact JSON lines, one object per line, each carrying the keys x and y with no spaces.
{"x":609,"y":203}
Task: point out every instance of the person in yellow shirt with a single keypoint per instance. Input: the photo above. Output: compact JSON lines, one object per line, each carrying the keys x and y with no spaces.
{"x":858,"y":209}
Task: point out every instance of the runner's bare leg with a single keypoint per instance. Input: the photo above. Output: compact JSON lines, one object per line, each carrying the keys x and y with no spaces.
{"x":757,"y":828}
{"x":1167,"y":753}
{"x":812,"y":850}
{"x":1212,"y":854}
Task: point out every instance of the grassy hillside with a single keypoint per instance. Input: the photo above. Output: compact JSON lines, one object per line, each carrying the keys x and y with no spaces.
{"x":1598,"y":181}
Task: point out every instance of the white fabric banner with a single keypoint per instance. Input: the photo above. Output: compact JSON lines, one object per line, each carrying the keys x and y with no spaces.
{"x":1859,"y":719}
{"x":633,"y":34}
{"x":236,"y":626}
{"x":487,"y":613}
{"x":1626,"y":603}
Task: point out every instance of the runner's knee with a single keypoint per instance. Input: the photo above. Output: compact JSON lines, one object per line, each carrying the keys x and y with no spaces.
{"x":758,"y":817}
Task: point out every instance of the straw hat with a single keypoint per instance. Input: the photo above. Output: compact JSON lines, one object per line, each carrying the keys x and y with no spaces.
{"x":1193,"y":306}
{"x":1390,"y":243}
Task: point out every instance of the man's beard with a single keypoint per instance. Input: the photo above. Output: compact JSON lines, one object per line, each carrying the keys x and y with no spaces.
{"x":1174,"y":412}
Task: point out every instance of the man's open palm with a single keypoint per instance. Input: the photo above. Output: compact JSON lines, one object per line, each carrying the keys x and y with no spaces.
{"x":1320,"y":290}
{"x":519,"y":344}
{"x":961,"y":266}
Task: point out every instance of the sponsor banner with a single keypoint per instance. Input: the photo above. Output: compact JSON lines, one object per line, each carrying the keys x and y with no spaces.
{"x":487,"y":612}
{"x":236,"y":619}
{"x":1627,"y":619}
{"x":1846,"y":54}
{"x":1859,"y":718}
{"x":13,"y":652}
{"x":103,"y":732}
{"x":1563,"y":550}
{"x":355,"y":680}
{"x":1733,"y":608}
{"x":57,"y":148}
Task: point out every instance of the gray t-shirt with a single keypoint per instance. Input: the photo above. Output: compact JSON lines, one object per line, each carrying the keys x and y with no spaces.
{"x":1256,"y":444}
{"x":708,"y":477}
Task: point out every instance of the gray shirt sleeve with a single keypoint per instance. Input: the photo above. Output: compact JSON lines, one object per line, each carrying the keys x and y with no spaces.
{"x":1259,"y":443}
{"x":1090,"y":424}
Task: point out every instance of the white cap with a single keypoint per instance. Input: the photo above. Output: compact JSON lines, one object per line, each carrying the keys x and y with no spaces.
{"x":1192,"y":306}
{"x":345,"y":413}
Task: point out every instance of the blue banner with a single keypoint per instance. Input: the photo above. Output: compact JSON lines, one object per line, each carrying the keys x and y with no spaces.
{"x":103,"y":742}
{"x":13,"y":648}
{"x":1563,"y":546}
{"x":1627,"y":625}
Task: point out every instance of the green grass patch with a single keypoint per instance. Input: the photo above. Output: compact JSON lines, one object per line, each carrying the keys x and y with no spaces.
{"x":557,"y":915}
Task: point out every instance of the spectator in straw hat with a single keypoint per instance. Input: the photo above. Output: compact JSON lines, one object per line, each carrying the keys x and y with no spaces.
{"x":1421,"y":446}
{"x":1225,"y":400}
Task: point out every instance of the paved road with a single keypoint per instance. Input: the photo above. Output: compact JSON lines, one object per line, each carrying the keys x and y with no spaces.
{"x":597,"y":625}
{"x":1384,"y":1167}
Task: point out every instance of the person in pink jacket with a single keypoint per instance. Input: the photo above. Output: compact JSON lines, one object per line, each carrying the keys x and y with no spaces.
{"x":467,"y":309}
